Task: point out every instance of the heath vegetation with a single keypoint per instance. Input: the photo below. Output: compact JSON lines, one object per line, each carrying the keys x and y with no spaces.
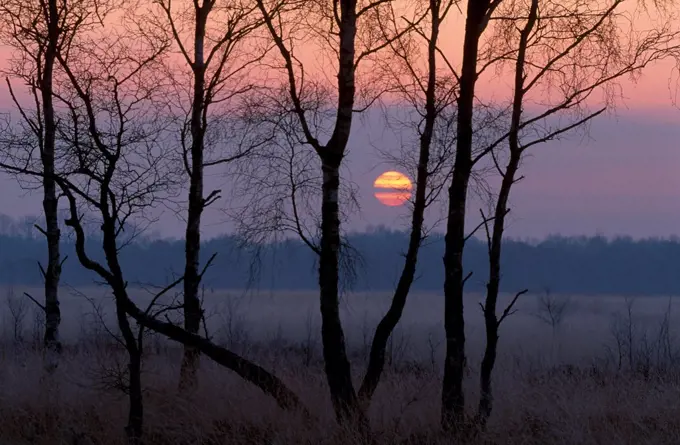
{"x":120,"y":110}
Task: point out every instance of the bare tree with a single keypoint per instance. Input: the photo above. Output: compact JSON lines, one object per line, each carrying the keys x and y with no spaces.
{"x":210,"y":37}
{"x":114,"y":142}
{"x":432,"y":100}
{"x":113,"y":136}
{"x":35,"y":31}
{"x":307,"y":114}
{"x":18,"y":309}
{"x":477,"y":18}
{"x":552,"y":310}
{"x":565,"y":53}
{"x":109,"y":132}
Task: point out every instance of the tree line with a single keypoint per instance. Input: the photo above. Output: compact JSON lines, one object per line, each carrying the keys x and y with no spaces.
{"x":567,"y":265}
{"x":123,"y":108}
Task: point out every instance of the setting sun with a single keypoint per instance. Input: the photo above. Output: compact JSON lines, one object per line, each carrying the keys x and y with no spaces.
{"x":393,"y":188}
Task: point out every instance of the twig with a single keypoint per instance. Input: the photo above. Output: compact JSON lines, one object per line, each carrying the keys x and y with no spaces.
{"x":36,"y":302}
{"x":207,"y":265}
{"x":212,"y":197}
{"x":40,"y":229}
{"x":479,"y":226}
{"x":467,"y":277}
{"x":42,"y":270}
{"x":163,"y":292}
{"x":508,"y":310}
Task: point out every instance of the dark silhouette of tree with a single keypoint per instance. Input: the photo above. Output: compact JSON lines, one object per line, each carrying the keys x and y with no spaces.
{"x":215,"y":129}
{"x":349,"y":30}
{"x":35,"y":31}
{"x":432,"y":99}
{"x":477,"y":18}
{"x":589,"y":51}
{"x":114,"y":132}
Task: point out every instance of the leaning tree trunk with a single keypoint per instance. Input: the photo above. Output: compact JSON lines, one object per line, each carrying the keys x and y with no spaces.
{"x":192,"y":304}
{"x":453,"y":398}
{"x":389,"y":322}
{"x":51,"y":340}
{"x":249,"y":371}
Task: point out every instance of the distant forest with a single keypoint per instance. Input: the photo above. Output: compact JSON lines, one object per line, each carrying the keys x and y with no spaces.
{"x":583,"y":265}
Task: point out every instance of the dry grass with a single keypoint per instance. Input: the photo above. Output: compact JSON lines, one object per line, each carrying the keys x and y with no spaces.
{"x":558,"y":405}
{"x":538,"y":400}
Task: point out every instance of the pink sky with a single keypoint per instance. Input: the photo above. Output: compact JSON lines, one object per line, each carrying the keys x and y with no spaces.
{"x":624,"y":181}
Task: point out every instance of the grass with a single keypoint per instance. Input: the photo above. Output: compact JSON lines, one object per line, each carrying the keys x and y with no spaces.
{"x":541,"y":398}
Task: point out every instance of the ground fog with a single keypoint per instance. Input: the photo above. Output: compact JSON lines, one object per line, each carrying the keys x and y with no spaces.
{"x":571,"y":370}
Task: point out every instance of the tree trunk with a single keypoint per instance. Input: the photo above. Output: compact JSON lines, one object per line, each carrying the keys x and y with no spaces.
{"x":337,"y":367}
{"x":51,"y":340}
{"x":134,"y":428}
{"x":488,"y":362}
{"x":453,"y":398}
{"x":258,"y":376}
{"x":493,"y":286}
{"x":249,"y":371}
{"x":389,"y":322}
{"x":192,"y":305}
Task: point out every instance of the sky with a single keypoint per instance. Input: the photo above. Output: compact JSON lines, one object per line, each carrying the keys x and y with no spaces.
{"x":621,"y":180}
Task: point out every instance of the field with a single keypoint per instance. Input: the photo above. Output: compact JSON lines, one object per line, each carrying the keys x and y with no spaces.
{"x":606,"y":373}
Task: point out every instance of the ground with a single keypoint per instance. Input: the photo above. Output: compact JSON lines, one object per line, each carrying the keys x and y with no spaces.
{"x":575,"y":384}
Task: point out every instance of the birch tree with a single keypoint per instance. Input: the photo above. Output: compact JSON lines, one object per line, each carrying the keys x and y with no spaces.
{"x":478,"y":14}
{"x":426,"y":88}
{"x":211,"y":39}
{"x":573,"y":56}
{"x":35,"y":32}
{"x":348,"y":35}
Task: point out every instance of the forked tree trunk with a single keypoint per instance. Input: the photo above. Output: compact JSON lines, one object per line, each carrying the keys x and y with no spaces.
{"x":52,"y":341}
{"x":389,"y":322}
{"x":249,"y":371}
{"x":192,"y":278}
{"x":453,"y":398}
{"x":337,"y":367}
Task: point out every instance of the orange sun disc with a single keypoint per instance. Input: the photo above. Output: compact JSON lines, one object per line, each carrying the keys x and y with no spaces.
{"x":393,"y":188}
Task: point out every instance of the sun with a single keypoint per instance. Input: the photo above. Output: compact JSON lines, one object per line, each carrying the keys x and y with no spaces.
{"x":392,"y":188}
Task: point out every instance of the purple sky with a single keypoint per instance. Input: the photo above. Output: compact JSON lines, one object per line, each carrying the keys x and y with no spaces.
{"x":623,"y":180}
